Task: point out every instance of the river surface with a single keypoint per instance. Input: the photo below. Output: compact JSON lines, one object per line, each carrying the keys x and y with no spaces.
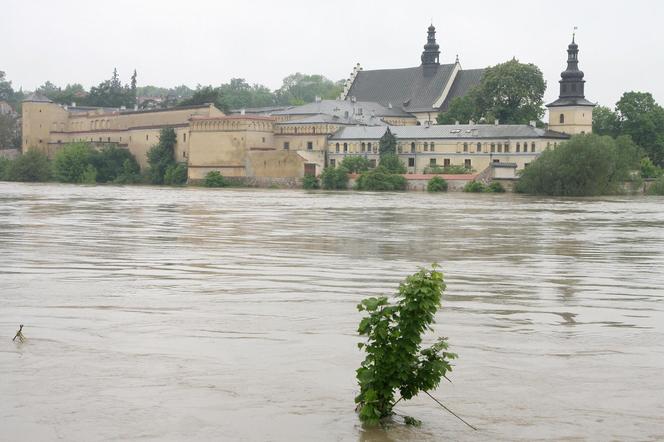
{"x":190,"y":314}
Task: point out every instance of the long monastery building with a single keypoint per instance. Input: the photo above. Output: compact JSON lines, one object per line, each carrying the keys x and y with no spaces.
{"x":289,"y":142}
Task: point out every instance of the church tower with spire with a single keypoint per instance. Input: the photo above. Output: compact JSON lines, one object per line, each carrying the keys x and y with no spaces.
{"x":431,"y":53}
{"x":571,"y":113}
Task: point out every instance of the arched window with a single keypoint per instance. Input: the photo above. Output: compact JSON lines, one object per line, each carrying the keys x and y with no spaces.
{"x":532,"y":146}
{"x":562,"y":118}
{"x":465,"y":147}
{"x":426,"y":147}
{"x":368,"y":147}
{"x":345,"y":147}
{"x":412,"y":147}
{"x":337,"y":147}
{"x":518,"y":147}
{"x":479,"y":147}
{"x":493,"y":147}
{"x":500,"y":147}
{"x":432,"y":147}
{"x":363,"y":147}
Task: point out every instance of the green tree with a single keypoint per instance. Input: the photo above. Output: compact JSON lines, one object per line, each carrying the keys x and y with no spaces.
{"x":387,"y":145}
{"x":298,"y":89}
{"x":176,"y":174}
{"x":71,"y":162}
{"x":355,"y":164}
{"x":511,"y":92}
{"x":391,"y":163}
{"x":110,"y":163}
{"x":461,"y":109}
{"x":649,"y":170}
{"x":89,"y":175}
{"x":162,"y":155}
{"x":381,"y":179}
{"x":586,"y":165}
{"x":657,"y":187}
{"x":32,"y":166}
{"x":6,"y":90}
{"x":130,"y":173}
{"x":112,"y":93}
{"x":214,"y":179}
{"x":643,"y":119}
{"x":605,"y":121}
{"x":9,"y":131}
{"x":437,"y":184}
{"x":395,"y":360}
{"x":334,"y":178}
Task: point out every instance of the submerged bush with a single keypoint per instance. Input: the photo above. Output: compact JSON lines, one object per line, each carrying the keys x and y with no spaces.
{"x":334,"y":178}
{"x":380,"y":179}
{"x":395,"y":360}
{"x":437,"y":184}
{"x":32,"y":166}
{"x":586,"y":165}
{"x":310,"y":182}
{"x":392,"y":164}
{"x":71,"y":162}
{"x":214,"y":179}
{"x":495,"y":187}
{"x":657,"y":187}
{"x":175,"y":174}
{"x":474,"y":186}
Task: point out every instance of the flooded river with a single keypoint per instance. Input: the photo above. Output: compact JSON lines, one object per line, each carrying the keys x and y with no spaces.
{"x":191,"y":314}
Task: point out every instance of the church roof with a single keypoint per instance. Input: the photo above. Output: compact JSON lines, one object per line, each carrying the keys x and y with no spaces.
{"x":408,"y":88}
{"x":448,"y":131}
{"x":463,"y":83}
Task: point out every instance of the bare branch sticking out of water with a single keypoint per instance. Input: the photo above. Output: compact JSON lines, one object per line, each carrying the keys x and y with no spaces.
{"x":19,"y":334}
{"x":450,"y":411}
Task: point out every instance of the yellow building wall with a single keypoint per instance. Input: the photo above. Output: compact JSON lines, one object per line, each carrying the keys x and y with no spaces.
{"x":577,"y":119}
{"x":38,"y":119}
{"x":275,"y":164}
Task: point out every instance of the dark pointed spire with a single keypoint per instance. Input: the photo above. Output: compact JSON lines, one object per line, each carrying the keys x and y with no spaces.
{"x":572,"y":84}
{"x":431,"y":54}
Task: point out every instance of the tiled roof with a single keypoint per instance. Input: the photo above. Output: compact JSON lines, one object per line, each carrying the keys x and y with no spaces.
{"x":571,"y":101}
{"x":464,"y":131}
{"x":334,"y":119}
{"x":408,"y":88}
{"x":341,"y":107}
{"x":463,"y":83}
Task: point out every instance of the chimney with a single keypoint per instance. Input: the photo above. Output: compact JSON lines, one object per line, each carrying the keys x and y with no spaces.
{"x":497,"y":122}
{"x":73,"y":104}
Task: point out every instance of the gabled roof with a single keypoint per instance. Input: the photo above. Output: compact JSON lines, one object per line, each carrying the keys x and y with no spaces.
{"x":413,"y":89}
{"x":37,"y":97}
{"x":449,"y":131}
{"x":463,"y":83}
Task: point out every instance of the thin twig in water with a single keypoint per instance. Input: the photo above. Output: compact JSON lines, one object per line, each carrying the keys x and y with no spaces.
{"x":450,"y":411}
{"x":397,"y":401}
{"x":19,"y":334}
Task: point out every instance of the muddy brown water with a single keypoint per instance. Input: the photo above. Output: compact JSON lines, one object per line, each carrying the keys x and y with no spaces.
{"x":193,"y":314}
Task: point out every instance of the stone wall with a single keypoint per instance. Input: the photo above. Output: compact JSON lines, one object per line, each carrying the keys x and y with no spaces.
{"x":9,"y":153}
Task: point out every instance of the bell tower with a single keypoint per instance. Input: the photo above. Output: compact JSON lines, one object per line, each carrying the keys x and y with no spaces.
{"x":571,"y":113}
{"x":431,"y":53}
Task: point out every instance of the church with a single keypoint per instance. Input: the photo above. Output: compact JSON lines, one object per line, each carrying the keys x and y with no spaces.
{"x":422,"y":91}
{"x":264,"y":145}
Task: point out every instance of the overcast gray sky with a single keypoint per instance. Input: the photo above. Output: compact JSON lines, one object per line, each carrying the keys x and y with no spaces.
{"x":209,"y":42}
